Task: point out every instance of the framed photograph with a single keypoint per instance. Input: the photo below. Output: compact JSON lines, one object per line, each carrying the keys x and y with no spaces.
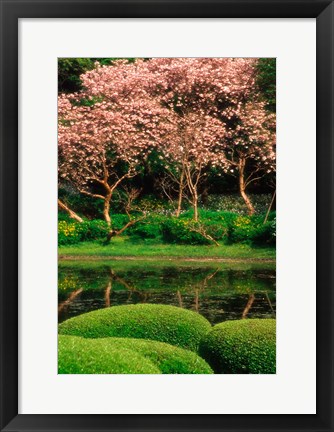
{"x":166,"y":216}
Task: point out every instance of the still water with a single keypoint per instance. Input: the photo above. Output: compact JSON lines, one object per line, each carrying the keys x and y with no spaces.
{"x":219,"y":291}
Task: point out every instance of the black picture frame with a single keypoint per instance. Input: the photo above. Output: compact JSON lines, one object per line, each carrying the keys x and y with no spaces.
{"x":11,"y":12}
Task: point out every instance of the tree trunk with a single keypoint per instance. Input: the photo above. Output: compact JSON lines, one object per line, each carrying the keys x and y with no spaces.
{"x":72,"y":214}
{"x":179,"y":201}
{"x":192,"y":187}
{"x":106,"y":210}
{"x":242,"y":186}
{"x":248,"y":202}
{"x":195,"y":205}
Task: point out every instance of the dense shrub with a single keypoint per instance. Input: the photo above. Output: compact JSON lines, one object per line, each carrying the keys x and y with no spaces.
{"x":169,"y":324}
{"x":242,"y":346}
{"x":70,"y":232}
{"x":75,"y":232}
{"x":265,"y":234}
{"x":243,"y":229}
{"x":222,"y":226}
{"x":118,"y":220}
{"x":180,"y":231}
{"x":149,"y":228}
{"x":167,"y":358}
{"x":62,"y":216}
{"x":184,"y":230}
{"x":252,"y":230}
{"x":86,"y":356}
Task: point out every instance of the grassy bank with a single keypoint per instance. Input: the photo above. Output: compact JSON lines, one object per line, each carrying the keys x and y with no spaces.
{"x":124,"y":247}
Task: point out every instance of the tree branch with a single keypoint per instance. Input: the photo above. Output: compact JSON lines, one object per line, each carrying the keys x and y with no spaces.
{"x":119,"y":180}
{"x":72,"y":214}
{"x":91,"y":194}
{"x":250,"y":181}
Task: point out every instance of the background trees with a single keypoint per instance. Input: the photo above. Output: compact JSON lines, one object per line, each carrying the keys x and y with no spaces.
{"x":70,"y":70}
{"x":266,"y":81}
{"x":186,"y":119}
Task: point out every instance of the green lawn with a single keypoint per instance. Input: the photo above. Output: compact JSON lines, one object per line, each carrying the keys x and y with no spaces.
{"x":125,"y":248}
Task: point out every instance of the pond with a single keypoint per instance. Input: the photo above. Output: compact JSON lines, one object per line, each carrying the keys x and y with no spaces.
{"x":219,"y":291}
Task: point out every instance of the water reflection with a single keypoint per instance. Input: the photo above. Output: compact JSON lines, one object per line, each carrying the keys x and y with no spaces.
{"x":216,"y":291}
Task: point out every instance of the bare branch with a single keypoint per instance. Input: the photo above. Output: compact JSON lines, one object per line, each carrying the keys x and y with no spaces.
{"x":251,"y":174}
{"x":91,"y":194}
{"x":252,"y":180}
{"x":166,"y":186}
{"x":129,"y":174}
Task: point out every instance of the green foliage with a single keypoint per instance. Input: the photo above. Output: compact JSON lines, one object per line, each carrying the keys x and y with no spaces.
{"x":266,"y":81}
{"x":243,"y":229}
{"x":65,"y":217}
{"x":168,"y":358}
{"x":82,"y":356}
{"x":118,"y":221}
{"x":75,"y":232}
{"x":169,"y":324}
{"x":265,"y":234}
{"x":184,"y":230}
{"x":222,"y":226}
{"x":146,"y":231}
{"x":70,"y":69}
{"x":180,"y":231}
{"x":148,"y":228}
{"x":242,"y":346}
{"x":253,"y":230}
{"x":87,"y":206}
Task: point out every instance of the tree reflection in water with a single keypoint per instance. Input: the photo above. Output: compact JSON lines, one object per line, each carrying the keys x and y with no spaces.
{"x":218,"y":294}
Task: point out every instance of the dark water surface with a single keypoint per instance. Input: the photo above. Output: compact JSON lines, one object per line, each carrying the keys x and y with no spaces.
{"x":219,"y":291}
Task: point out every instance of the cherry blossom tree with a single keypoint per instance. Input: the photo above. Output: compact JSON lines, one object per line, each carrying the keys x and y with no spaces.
{"x":250,"y":144}
{"x":192,"y":145}
{"x":102,"y":143}
{"x":201,"y":95}
{"x":196,"y":113}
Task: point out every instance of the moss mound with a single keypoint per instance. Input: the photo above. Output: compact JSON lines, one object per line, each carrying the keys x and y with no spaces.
{"x":168,"y":358}
{"x":241,"y":347}
{"x":169,"y":324}
{"x":82,"y":356}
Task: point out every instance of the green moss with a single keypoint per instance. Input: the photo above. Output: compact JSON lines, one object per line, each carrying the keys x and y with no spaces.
{"x":168,"y":358}
{"x":82,"y":356}
{"x":243,"y":346}
{"x":169,"y":324}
